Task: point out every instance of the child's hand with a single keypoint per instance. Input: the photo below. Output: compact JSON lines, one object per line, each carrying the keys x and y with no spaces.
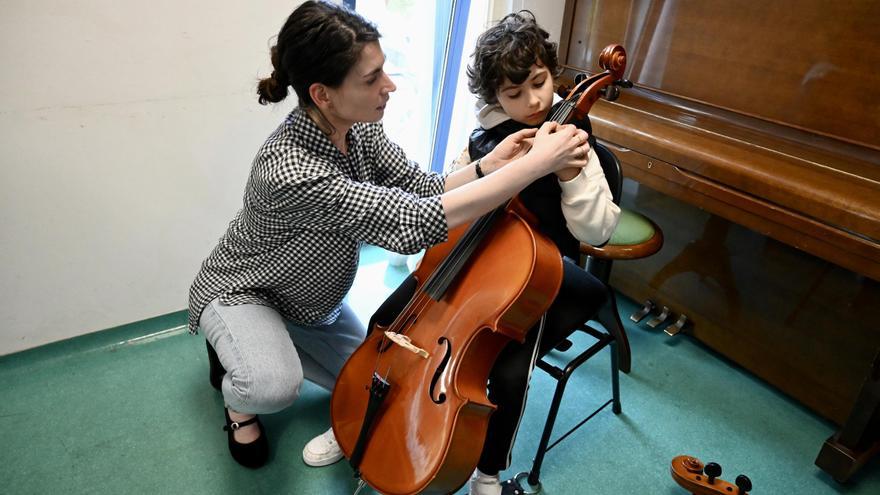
{"x":511,"y":148}
{"x":562,"y":149}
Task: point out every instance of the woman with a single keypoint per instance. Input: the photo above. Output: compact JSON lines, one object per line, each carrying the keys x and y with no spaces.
{"x":269,"y":297}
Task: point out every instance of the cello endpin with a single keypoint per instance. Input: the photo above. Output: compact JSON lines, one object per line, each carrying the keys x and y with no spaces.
{"x":361,"y":485}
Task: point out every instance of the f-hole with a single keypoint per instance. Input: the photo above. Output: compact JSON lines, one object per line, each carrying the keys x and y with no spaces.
{"x":441,"y":397}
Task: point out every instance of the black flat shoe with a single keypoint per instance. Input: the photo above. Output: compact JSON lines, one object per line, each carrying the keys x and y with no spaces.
{"x":253,"y":454}
{"x":215,"y":369}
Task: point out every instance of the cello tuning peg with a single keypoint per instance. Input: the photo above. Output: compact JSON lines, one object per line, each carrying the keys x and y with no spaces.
{"x":743,"y":483}
{"x":712,"y":470}
{"x":579,"y":77}
{"x":623,"y":83}
{"x":611,"y":93}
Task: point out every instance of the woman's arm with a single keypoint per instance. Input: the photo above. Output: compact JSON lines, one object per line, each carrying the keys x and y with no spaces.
{"x":313,"y":193}
{"x":464,"y":170}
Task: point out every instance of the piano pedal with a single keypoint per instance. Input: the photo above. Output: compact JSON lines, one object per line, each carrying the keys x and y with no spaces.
{"x":675,"y":328}
{"x":664,"y":313}
{"x":647,"y":308}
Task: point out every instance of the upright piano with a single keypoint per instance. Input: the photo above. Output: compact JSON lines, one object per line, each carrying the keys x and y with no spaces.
{"x":752,"y":137}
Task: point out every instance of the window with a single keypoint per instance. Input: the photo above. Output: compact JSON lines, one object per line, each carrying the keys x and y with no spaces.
{"x":427,"y":45}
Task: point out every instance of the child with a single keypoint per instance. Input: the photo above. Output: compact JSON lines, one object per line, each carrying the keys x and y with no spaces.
{"x":513,"y":71}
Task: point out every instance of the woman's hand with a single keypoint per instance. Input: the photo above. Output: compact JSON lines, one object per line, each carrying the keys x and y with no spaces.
{"x":551,"y":148}
{"x":511,"y":148}
{"x":562,"y":149}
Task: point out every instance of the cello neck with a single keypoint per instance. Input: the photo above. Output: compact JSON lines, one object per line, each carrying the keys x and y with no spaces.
{"x":445,"y":274}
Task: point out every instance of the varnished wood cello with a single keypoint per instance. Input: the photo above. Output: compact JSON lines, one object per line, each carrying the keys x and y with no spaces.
{"x":409,"y":408}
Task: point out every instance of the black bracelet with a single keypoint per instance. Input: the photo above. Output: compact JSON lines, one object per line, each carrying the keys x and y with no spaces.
{"x":477,"y":169}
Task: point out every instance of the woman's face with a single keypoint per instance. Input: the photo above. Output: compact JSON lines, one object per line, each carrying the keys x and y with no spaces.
{"x":530,"y":101}
{"x":365,"y":90}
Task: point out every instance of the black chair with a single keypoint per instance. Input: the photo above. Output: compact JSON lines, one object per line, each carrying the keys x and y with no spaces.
{"x":636,"y":236}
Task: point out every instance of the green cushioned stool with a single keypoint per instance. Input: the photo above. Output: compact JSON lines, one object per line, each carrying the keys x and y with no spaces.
{"x":636,"y":236}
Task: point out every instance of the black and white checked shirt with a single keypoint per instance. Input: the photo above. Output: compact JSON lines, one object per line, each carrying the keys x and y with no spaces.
{"x":307,"y":210}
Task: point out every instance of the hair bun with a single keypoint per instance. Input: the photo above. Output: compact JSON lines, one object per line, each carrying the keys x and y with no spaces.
{"x":280,"y":78}
{"x":271,"y":89}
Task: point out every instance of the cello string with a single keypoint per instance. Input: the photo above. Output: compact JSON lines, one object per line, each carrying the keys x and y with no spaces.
{"x":462,"y":251}
{"x":457,"y":250}
{"x":418,"y":301}
{"x":440,"y":278}
{"x":565,"y":112}
{"x":461,"y":257}
{"x":558,"y":112}
{"x":443,"y":275}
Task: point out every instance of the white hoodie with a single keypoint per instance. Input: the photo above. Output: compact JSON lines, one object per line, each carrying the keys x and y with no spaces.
{"x":590,"y":213}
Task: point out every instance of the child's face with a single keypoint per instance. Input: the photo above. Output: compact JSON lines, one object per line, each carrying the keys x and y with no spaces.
{"x":529,"y":102}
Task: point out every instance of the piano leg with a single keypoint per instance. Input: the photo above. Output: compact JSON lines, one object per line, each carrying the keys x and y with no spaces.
{"x":859,"y":438}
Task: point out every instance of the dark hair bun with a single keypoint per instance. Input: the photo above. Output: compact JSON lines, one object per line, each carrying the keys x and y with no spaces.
{"x":319,"y":43}
{"x":270,"y":90}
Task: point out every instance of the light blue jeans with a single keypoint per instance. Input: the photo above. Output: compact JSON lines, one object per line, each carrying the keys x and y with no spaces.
{"x":267,"y":357}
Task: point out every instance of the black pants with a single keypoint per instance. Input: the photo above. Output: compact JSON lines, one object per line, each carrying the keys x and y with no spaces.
{"x":579,"y":299}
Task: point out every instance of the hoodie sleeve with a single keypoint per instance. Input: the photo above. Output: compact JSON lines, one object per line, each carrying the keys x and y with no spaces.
{"x":587,"y":204}
{"x":463,"y":159}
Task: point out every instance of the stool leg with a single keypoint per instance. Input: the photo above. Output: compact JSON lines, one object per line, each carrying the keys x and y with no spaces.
{"x":615,"y":378}
{"x":609,"y":318}
{"x":535,"y":473}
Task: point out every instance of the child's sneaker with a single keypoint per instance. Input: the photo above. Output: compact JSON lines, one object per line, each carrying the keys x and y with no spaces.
{"x":484,"y":484}
{"x":322,"y":450}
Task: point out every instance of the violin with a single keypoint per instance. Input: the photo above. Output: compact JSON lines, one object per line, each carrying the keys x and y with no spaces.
{"x":410,"y":408}
{"x":701,"y":479}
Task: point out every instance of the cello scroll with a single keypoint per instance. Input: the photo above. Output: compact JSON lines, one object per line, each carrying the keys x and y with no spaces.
{"x":588,"y":89}
{"x":692,"y":475}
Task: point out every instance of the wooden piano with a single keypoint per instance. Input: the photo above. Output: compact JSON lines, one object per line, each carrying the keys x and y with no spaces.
{"x":752,"y":137}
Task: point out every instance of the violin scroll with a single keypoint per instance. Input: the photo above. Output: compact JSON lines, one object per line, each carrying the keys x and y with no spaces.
{"x":692,"y":475}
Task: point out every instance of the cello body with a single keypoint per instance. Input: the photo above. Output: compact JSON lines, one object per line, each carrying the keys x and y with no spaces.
{"x":410,"y":408}
{"x":429,"y":434}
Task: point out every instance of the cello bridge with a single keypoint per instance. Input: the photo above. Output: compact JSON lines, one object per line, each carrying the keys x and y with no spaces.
{"x":406,"y":343}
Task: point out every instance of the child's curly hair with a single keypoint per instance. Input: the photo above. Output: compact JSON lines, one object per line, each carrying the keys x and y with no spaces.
{"x":508,"y":50}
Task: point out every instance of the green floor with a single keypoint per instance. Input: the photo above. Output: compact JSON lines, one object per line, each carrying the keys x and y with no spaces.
{"x":118,"y":412}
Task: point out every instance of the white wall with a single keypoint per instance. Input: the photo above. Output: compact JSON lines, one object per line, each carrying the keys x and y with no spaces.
{"x":548,"y":13}
{"x":126,"y":133}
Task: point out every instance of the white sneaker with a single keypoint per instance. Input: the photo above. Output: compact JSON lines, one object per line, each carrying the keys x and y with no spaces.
{"x":484,"y":484}
{"x":397,"y":259}
{"x":322,"y":450}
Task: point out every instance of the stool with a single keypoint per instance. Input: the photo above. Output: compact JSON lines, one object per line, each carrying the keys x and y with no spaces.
{"x":636,"y":236}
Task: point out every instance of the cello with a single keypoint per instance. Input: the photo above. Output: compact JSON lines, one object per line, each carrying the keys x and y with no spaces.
{"x":410,"y":409}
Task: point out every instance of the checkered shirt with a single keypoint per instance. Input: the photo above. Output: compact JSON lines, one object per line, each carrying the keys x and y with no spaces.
{"x":294,"y":245}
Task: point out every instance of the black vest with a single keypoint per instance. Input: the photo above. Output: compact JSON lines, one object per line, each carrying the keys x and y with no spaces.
{"x":544,"y":196}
